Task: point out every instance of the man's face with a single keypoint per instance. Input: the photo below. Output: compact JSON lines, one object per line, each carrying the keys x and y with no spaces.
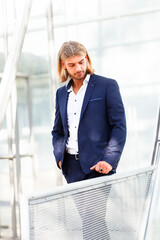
{"x":76,"y":67}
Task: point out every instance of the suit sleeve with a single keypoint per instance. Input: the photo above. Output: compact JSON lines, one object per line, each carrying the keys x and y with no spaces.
{"x":57,"y":134}
{"x":117,"y":123}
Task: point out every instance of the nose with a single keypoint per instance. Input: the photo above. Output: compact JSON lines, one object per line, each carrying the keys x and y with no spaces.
{"x":78,"y":67}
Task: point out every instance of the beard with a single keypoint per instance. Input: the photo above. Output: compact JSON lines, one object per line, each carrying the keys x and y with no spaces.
{"x":78,"y":75}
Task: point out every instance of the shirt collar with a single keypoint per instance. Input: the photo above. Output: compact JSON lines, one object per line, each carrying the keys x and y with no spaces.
{"x":70,"y":82}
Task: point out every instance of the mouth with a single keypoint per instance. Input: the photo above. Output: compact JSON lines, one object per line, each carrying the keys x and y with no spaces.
{"x":79,"y":73}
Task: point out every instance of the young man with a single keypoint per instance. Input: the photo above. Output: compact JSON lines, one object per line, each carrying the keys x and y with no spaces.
{"x":89,"y":131}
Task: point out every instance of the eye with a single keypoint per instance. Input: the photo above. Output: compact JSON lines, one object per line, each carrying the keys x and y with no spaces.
{"x":71,"y":65}
{"x":81,"y":62}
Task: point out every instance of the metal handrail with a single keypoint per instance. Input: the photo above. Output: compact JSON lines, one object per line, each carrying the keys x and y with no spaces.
{"x":69,"y":189}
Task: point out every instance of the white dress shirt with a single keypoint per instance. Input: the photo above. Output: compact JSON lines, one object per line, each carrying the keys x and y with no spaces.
{"x":74,"y":107}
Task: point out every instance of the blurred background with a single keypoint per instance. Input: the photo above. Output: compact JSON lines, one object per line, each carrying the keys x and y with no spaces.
{"x":123,"y":40}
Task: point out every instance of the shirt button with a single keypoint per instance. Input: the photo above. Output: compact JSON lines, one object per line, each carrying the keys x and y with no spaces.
{"x":74,"y":113}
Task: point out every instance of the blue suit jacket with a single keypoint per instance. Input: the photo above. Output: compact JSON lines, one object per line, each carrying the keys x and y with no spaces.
{"x":102,"y":125}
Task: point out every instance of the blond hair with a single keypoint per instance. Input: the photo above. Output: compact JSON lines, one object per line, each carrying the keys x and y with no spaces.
{"x":70,"y":49}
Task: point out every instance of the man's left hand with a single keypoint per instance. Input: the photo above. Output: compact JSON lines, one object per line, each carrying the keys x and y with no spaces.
{"x":102,"y":167}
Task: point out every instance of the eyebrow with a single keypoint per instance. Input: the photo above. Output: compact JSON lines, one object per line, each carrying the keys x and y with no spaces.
{"x":76,"y":62}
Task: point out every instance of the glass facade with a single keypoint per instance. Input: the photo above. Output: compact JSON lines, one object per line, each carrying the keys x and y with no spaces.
{"x":123,"y":40}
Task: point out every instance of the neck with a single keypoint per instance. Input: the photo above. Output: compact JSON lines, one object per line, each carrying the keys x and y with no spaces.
{"x":77,"y":85}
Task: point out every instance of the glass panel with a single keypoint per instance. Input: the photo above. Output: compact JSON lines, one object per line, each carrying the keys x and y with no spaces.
{"x":108,"y":32}
{"x":38,"y":7}
{"x":116,"y":8}
{"x":1,"y":57}
{"x":140,"y":28}
{"x":5,"y":211}
{"x":86,"y":11}
{"x":36,"y":44}
{"x":137,"y":72}
{"x":87,"y":33}
{"x":18,"y":7}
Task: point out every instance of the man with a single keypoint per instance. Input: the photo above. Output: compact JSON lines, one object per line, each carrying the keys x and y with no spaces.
{"x":90,"y":129}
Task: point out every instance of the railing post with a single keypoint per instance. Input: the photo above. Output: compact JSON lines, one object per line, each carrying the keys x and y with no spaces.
{"x":10,"y":124}
{"x":52,"y":54}
{"x":156,"y":187}
{"x":157,"y":139}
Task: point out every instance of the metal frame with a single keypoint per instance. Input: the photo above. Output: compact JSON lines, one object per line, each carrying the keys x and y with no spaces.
{"x":52,"y":61}
{"x":9,"y":107}
{"x":157,"y":140}
{"x":10,"y":69}
{"x":9,"y":130}
{"x":99,"y":19}
{"x":156,"y":185}
{"x":155,"y":192}
{"x":13,"y":157}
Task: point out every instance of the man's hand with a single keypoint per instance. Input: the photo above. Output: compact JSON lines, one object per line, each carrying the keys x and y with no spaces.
{"x":59,"y":164}
{"x":102,"y":167}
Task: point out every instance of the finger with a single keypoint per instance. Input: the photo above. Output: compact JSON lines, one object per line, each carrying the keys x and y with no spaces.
{"x":59,"y":163}
{"x":93,"y":167}
{"x":106,"y":172}
{"x":102,"y":170}
{"x":97,"y":168}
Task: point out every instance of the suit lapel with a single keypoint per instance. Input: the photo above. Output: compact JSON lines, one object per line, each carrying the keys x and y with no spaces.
{"x":88,"y":93}
{"x":64,"y":101}
{"x":63,"y":109}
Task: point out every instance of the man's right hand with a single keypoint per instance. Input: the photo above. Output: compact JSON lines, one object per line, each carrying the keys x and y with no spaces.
{"x":59,"y":164}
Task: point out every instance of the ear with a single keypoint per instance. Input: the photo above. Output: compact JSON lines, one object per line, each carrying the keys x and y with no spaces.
{"x":86,"y":57}
{"x":63,"y":64}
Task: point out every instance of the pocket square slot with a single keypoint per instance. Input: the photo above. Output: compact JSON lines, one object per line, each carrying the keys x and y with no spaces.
{"x":95,"y":99}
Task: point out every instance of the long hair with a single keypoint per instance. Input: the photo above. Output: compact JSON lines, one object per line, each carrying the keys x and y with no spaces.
{"x":70,"y":49}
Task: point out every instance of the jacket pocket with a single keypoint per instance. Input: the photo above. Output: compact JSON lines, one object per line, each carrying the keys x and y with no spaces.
{"x":95,"y":99}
